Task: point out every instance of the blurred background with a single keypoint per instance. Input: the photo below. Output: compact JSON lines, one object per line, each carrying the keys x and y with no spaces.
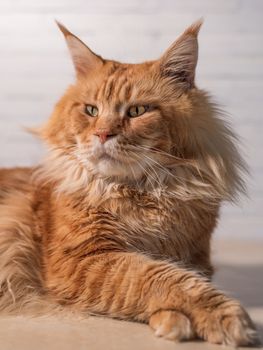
{"x":35,"y":69}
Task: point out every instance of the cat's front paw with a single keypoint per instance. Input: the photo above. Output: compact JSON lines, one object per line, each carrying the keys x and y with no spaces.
{"x":171,"y":325}
{"x":228,"y":324}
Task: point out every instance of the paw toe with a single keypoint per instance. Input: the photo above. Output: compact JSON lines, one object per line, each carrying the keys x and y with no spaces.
{"x":171,"y":325}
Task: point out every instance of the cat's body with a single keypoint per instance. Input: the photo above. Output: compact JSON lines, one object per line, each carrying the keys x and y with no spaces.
{"x":156,"y":224}
{"x":118,"y":219}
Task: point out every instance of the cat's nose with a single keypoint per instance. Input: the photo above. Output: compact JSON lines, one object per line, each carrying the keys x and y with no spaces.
{"x":104,"y":135}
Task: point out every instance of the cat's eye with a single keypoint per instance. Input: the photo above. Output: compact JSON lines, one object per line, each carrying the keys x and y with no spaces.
{"x":91,"y":110}
{"x":136,"y":111}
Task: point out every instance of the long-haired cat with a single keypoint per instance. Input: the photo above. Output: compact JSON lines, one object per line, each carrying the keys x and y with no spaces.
{"x":118,"y":219}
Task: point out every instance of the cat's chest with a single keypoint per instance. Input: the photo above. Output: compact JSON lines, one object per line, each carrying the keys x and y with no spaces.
{"x":158,"y":226}
{"x":145,"y":213}
{"x":133,"y":217}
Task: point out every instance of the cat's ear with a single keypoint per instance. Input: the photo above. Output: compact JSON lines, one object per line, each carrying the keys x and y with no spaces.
{"x":179,"y":62}
{"x":83,"y":58}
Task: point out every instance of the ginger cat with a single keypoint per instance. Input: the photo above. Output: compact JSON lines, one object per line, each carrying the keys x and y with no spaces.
{"x":118,"y":219}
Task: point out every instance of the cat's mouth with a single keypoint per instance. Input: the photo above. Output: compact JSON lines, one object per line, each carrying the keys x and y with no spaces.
{"x":106,"y":157}
{"x":115,"y":162}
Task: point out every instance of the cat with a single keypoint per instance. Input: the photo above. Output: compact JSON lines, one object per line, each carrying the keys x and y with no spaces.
{"x":117,"y":220}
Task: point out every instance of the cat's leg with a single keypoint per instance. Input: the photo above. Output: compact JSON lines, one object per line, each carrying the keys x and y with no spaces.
{"x":133,"y":286}
{"x":171,"y":325}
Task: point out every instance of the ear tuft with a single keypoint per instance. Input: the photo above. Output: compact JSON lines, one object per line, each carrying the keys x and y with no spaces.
{"x":179,"y":61}
{"x":83,"y":58}
{"x":195,"y":28}
{"x":63,"y":29}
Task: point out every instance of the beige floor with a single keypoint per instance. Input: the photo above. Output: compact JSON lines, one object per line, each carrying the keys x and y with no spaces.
{"x":240,"y":273}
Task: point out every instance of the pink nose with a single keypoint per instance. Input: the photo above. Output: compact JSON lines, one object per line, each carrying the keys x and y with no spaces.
{"x":104,"y":135}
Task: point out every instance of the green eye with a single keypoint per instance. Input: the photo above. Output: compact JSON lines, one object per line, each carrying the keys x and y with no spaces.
{"x":91,"y":110}
{"x":136,"y":111}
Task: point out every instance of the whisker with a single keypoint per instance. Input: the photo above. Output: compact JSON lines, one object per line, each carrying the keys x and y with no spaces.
{"x":158,"y":180}
{"x":133,"y":173}
{"x":165,"y":170}
{"x":145,"y":172}
{"x":161,"y":152}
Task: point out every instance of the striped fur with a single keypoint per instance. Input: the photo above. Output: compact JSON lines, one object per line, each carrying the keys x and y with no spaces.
{"x":123,"y":228}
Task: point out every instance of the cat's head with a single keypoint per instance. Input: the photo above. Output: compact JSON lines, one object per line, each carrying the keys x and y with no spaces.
{"x":131,"y":122}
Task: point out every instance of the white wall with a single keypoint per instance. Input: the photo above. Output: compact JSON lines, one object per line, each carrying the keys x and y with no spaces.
{"x":35,"y":69}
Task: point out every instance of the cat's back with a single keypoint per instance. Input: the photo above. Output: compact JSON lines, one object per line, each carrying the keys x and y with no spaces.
{"x":19,"y":245}
{"x":16,"y":192}
{"x":14,"y":179}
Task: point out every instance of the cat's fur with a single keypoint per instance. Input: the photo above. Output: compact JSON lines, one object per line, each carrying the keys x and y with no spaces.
{"x":122,"y":228}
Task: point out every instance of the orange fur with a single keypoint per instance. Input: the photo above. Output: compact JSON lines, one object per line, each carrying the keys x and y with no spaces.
{"x":120,"y":224}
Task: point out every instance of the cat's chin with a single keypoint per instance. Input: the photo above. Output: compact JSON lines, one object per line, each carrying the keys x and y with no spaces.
{"x":109,"y":167}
